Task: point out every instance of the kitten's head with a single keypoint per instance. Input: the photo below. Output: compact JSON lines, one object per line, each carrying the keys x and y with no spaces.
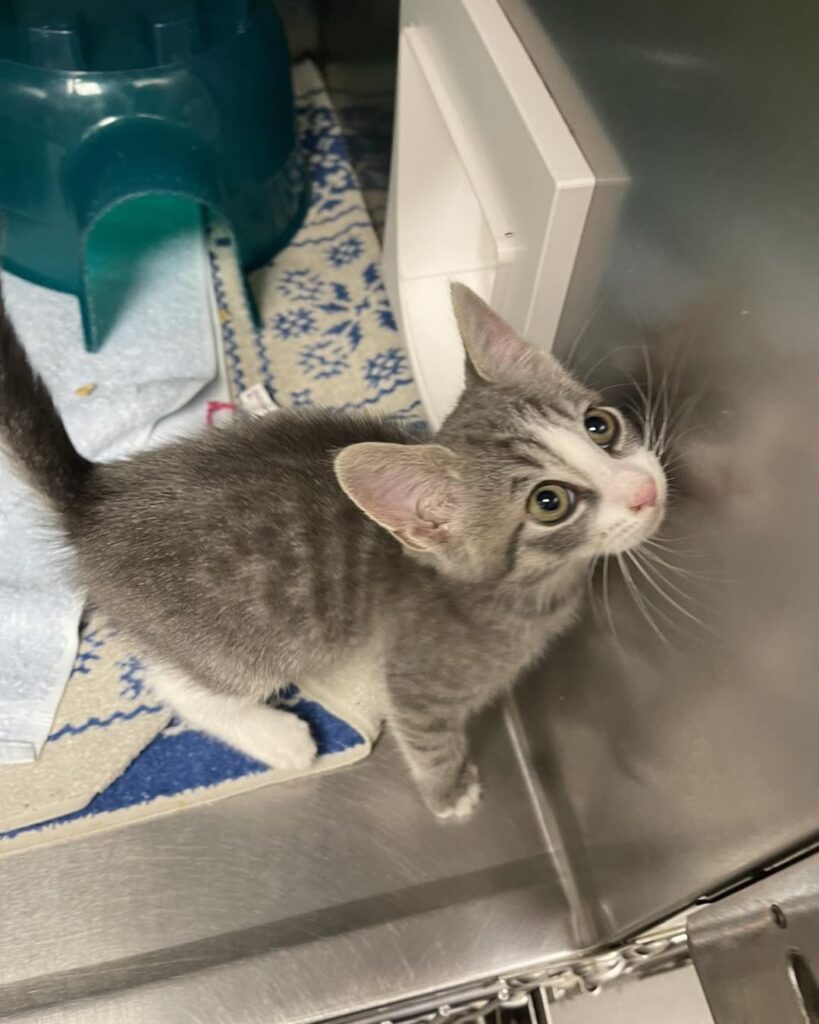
{"x":531,"y":473}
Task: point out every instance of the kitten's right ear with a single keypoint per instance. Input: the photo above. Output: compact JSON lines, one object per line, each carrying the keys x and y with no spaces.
{"x":411,"y":490}
{"x":494,"y":353}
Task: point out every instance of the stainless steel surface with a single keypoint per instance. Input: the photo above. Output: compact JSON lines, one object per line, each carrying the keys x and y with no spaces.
{"x":292,"y":903}
{"x":757,"y":951}
{"x":641,"y":773}
{"x":668,"y":768}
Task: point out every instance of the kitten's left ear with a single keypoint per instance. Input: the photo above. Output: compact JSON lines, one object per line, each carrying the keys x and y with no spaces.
{"x":494,"y":352}
{"x":411,"y":490}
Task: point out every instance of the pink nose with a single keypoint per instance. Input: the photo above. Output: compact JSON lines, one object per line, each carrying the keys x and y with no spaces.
{"x":643,"y":496}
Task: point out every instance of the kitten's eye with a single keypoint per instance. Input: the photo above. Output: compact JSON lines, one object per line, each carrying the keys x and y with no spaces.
{"x":551,"y":503}
{"x":602,"y":427}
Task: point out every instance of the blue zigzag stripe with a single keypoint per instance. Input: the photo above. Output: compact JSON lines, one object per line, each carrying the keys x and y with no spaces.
{"x":103,"y":723}
{"x":355,"y":208}
{"x":405,"y":412}
{"x":402,"y":382}
{"x":264,"y":361}
{"x":338,"y":234}
{"x":308,"y":94}
{"x":232,"y":349}
{"x":226,"y":328}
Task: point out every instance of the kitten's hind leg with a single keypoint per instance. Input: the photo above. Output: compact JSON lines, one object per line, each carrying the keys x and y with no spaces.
{"x":276,"y":738}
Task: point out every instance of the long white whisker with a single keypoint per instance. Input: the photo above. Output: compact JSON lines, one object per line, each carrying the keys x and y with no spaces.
{"x":669,"y":398}
{"x":639,"y":600}
{"x":642,"y":559}
{"x":590,"y":586}
{"x":587,"y":374}
{"x":668,"y":537}
{"x":665,"y":429}
{"x":607,"y":602}
{"x":672,"y":462}
{"x":620,"y":386}
{"x":582,"y":332}
{"x":649,"y":438}
{"x":674,"y":604}
{"x":674,"y":413}
{"x":687,"y":576}
{"x":681,"y":435}
{"x":676,"y":420}
{"x":653,"y":557}
{"x":690,"y":555}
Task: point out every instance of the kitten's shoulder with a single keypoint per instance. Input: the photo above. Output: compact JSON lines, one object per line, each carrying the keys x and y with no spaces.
{"x":315,"y":431}
{"x":301,"y":440}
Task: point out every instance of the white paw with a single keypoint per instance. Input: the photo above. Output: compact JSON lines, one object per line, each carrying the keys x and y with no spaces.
{"x":295,"y":748}
{"x":279,"y":739}
{"x":464,"y":805}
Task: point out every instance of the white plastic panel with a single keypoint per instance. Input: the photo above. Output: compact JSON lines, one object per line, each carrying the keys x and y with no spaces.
{"x":488,"y":187}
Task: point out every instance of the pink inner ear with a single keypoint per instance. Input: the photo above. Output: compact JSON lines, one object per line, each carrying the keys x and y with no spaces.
{"x":403,"y":488}
{"x":509,"y":357}
{"x":391,"y":494}
{"x":496,"y":352}
{"x":502,"y":358}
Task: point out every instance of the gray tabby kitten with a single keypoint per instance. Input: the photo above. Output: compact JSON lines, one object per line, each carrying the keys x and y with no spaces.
{"x":323,"y":544}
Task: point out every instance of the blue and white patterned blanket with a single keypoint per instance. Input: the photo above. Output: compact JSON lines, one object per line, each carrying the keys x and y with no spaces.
{"x":328,"y":337}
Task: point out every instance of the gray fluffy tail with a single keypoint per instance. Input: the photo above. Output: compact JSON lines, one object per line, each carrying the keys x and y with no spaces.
{"x":31,"y":430}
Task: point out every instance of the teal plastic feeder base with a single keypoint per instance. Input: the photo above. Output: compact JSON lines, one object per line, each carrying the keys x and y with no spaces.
{"x":103,"y":102}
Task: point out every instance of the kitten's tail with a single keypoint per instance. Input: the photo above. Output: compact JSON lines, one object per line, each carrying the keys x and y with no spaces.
{"x":31,"y":430}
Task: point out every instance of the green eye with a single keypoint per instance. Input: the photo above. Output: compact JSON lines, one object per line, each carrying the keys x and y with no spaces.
{"x":551,"y":503}
{"x":602,"y":427}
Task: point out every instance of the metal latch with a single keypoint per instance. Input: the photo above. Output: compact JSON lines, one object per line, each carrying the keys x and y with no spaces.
{"x":757,"y":951}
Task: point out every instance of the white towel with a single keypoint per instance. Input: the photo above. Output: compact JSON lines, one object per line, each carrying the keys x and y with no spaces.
{"x":159,"y":351}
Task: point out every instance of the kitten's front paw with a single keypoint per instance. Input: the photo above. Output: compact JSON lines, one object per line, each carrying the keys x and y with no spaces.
{"x":293,"y":747}
{"x":460,"y":803}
